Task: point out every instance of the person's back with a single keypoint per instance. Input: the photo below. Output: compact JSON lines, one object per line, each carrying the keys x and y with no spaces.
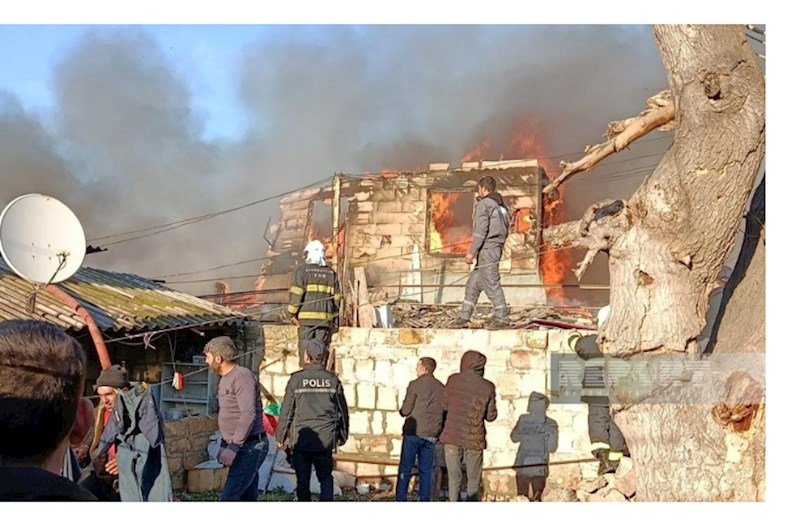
{"x":41,"y":380}
{"x":469,"y":400}
{"x":315,"y":417}
{"x":316,"y":408}
{"x":425,"y":417}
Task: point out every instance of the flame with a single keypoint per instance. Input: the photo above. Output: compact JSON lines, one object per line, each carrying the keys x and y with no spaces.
{"x":524,"y":142}
{"x":447,"y":234}
{"x":478,"y":152}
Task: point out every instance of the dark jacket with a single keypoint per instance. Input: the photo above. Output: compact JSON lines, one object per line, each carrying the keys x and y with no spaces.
{"x":38,"y":484}
{"x":594,"y":392}
{"x":314,"y":296}
{"x":422,"y":407}
{"x":468,"y":399}
{"x":314,"y":413}
{"x":489,"y":224}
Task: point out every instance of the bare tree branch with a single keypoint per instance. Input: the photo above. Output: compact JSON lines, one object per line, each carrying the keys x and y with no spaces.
{"x":659,"y":111}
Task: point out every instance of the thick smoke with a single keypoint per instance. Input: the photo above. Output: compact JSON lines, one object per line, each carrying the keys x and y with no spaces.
{"x":124,"y":146}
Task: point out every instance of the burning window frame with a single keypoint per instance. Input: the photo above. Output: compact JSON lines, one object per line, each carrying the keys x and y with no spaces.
{"x":466,"y":223}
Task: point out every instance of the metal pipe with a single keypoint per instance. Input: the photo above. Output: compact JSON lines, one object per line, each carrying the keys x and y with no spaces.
{"x":97,"y":335}
{"x":337,"y":193}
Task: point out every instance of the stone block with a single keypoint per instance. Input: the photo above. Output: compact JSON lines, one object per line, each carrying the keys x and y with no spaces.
{"x":357,"y":336}
{"x":394,"y":423}
{"x":414,"y":229}
{"x":174,"y":429}
{"x":175,"y":463}
{"x":607,"y":495}
{"x":505,"y":410}
{"x":199,"y":441}
{"x":375,"y":445}
{"x":383,"y":373}
{"x":497,"y":358}
{"x":508,"y":384}
{"x":190,"y":459}
{"x":272,"y":366}
{"x":365,"y":370}
{"x":512,"y":339}
{"x":397,"y":447}
{"x":382,"y":336}
{"x":178,"y":445}
{"x":349,"y":393}
{"x":365,"y":396}
{"x":387,"y":399}
{"x":347,"y":366}
{"x":389,"y":229}
{"x":533,"y":381}
{"x":536,"y":339}
{"x":346,"y":467}
{"x":411,"y":336}
{"x":520,"y":359}
{"x":206,"y":479}
{"x":359,"y":422}
{"x":350,"y":447}
{"x":378,"y":424}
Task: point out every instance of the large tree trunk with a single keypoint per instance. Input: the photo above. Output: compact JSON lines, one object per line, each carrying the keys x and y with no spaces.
{"x":665,"y":253}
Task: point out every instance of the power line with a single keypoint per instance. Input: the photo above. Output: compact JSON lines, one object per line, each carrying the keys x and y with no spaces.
{"x":161,"y":228}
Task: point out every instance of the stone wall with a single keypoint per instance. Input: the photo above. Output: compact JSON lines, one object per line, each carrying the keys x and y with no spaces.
{"x":376,"y":365}
{"x":187,"y":441}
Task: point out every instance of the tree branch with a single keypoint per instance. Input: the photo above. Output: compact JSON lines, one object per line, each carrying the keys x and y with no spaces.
{"x":659,"y":111}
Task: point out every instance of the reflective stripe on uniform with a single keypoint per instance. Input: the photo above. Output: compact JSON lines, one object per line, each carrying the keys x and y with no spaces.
{"x":337,"y":297}
{"x":320,"y":316}
{"x":293,"y":309}
{"x":296,"y":290}
{"x":614,"y":456}
{"x":599,"y":444}
{"x":322,"y":288}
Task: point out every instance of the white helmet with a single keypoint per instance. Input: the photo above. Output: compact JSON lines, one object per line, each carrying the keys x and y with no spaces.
{"x":602,"y":315}
{"x":315,"y":252}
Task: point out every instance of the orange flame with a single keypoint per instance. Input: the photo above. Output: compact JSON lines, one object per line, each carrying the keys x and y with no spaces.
{"x":524,"y":142}
{"x":447,"y":234}
{"x":478,"y":152}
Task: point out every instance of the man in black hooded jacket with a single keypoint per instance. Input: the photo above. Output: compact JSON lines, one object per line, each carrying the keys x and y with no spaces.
{"x":489,"y":232}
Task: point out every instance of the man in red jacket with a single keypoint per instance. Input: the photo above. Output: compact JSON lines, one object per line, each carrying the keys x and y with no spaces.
{"x":469,"y":400}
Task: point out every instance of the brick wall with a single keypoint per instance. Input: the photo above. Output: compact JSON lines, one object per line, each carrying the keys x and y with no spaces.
{"x":187,"y":441}
{"x":376,"y":365}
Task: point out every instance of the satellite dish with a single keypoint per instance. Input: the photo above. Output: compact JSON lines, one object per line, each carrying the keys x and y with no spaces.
{"x":41,"y":239}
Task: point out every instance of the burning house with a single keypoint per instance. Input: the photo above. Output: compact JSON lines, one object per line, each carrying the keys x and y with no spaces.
{"x":409,"y":232}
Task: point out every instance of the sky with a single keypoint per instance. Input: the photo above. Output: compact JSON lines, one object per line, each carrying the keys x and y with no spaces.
{"x":134,"y":126}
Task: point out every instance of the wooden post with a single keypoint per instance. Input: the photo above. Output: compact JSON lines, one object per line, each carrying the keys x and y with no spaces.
{"x":366,"y":312}
{"x":337,"y":192}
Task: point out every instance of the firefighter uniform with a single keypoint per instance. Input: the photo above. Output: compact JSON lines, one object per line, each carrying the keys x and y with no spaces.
{"x":314,"y":302}
{"x":608,"y":443}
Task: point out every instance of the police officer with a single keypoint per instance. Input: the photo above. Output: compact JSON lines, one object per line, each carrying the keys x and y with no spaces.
{"x":489,"y":232}
{"x":314,"y":299}
{"x":608,"y":443}
{"x":315,"y":409}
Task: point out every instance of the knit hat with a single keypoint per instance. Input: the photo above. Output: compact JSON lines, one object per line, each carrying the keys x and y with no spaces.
{"x":114,"y":376}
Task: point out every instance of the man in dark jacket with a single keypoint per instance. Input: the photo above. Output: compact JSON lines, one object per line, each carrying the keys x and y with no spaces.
{"x":489,"y":232}
{"x":608,"y":443}
{"x":315,"y":409}
{"x":314,"y":299}
{"x":41,"y":381}
{"x":424,"y":415}
{"x":468,"y":401}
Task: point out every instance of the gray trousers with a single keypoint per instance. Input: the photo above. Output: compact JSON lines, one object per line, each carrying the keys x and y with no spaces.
{"x":602,"y":429}
{"x":485,"y":278}
{"x":307,"y":333}
{"x":474,"y":460}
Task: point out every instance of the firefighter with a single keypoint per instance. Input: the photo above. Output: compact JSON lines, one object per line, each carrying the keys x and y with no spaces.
{"x":608,"y":443}
{"x":314,"y":300}
{"x":489,"y":231}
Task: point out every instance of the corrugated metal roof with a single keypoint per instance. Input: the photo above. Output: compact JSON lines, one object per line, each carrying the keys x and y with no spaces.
{"x":118,"y":302}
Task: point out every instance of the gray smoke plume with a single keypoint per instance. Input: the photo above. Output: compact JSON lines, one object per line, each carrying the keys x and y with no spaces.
{"x":124,"y":147}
